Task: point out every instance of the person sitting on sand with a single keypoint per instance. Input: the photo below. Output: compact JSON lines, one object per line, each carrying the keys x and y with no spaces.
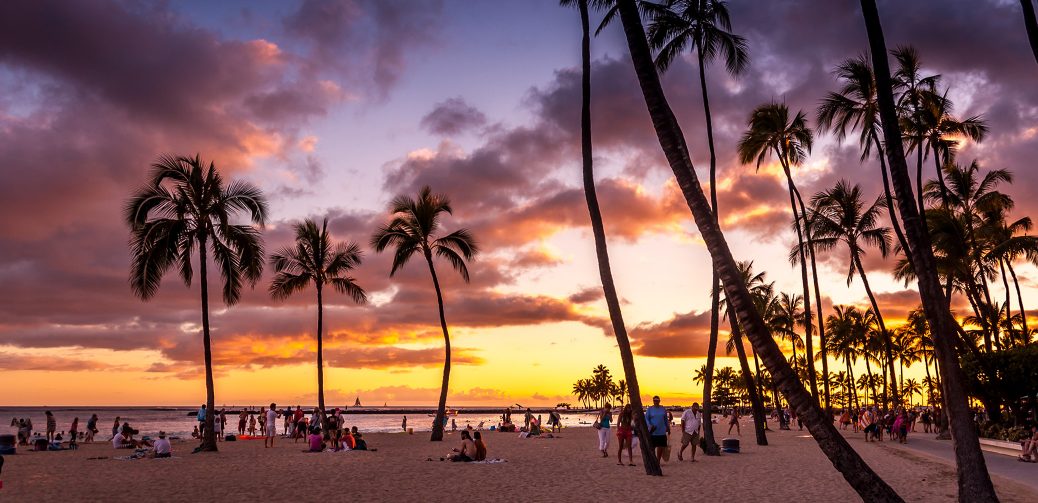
{"x":163,"y":449}
{"x":467,"y":452}
{"x":358,"y":440}
{"x":1029,"y":446}
{"x":348,"y":441}
{"x":125,"y":442}
{"x":316,"y":442}
{"x":481,"y":448}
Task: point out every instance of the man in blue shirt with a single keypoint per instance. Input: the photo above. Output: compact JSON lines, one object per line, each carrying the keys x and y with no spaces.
{"x":201,"y":422}
{"x":656,"y":420}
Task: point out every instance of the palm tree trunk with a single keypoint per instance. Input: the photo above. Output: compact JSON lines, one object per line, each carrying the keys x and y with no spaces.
{"x":798,"y":216}
{"x":891,"y":209}
{"x":712,"y":449}
{"x":209,"y":438}
{"x":759,"y":419}
{"x":1020,"y":301}
{"x":1031,"y":24}
{"x":882,"y":327}
{"x":441,"y":405}
{"x":1009,"y":297}
{"x":325,"y":427}
{"x":919,"y":178}
{"x":929,"y":380}
{"x":974,"y":481}
{"x":652,"y":466}
{"x":760,"y":385}
{"x":672,"y":142}
{"x":871,"y":381}
{"x":818,"y":305}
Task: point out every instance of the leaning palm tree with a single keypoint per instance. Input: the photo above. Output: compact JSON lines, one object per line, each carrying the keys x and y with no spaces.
{"x":857,"y":473}
{"x":1031,"y":25}
{"x":186,"y":206}
{"x":770,"y":130}
{"x":605,"y":272}
{"x":705,"y":27}
{"x":757,"y":287}
{"x":974,"y":480}
{"x":787,"y":316}
{"x":415,"y":230}
{"x":840,"y":216}
{"x":316,"y":259}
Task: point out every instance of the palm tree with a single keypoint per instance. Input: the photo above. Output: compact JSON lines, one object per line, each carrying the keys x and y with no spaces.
{"x":840,"y":216}
{"x":845,"y":338}
{"x":704,"y":26}
{"x":770,"y":130}
{"x":785,"y":320}
{"x":974,"y":480}
{"x":858,"y":474}
{"x":757,"y":287}
{"x":913,"y":91}
{"x":601,"y":248}
{"x":1007,"y":246}
{"x":186,"y":206}
{"x":414,"y":229}
{"x":912,"y":387}
{"x":316,"y":259}
{"x":1031,"y":25}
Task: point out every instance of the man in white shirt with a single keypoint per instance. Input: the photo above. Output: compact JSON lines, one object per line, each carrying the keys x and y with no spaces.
{"x":691,"y":421}
{"x":272,"y":416}
{"x":162,"y":447}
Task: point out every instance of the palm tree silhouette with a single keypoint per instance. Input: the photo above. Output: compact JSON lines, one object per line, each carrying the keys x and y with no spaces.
{"x":770,"y":130}
{"x":414,"y":230}
{"x":840,"y":216}
{"x":858,"y":474}
{"x":757,"y":287}
{"x":316,"y":259}
{"x":973,"y":477}
{"x":1031,"y":25}
{"x":705,"y":27}
{"x":787,"y":317}
{"x":186,"y":206}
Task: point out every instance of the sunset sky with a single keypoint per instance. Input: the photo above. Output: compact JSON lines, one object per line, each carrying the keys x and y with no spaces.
{"x":333,"y":107}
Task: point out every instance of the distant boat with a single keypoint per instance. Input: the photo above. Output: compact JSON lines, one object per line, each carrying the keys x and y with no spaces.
{"x":356,"y":403}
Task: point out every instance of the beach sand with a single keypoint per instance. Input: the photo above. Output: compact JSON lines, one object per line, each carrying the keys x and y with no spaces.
{"x":569,"y":468}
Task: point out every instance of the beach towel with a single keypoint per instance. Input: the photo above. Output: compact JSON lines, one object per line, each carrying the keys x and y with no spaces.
{"x":488,"y":462}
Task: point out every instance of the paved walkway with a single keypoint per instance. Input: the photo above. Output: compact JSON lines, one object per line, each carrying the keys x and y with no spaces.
{"x":998,"y":464}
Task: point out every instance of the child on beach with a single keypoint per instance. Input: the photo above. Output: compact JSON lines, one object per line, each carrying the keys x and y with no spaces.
{"x":252,"y":424}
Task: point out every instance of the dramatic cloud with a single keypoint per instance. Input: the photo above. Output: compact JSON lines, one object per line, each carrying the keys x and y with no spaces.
{"x":683,"y":336}
{"x":452,"y":117}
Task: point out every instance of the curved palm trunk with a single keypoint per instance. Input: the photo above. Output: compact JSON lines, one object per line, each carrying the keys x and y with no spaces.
{"x":1020,"y":301}
{"x":320,"y":363}
{"x":712,"y":449}
{"x":871,"y":381}
{"x":1031,"y":25}
{"x":858,"y":474}
{"x":929,"y":380}
{"x":759,"y":419}
{"x":760,"y":382}
{"x":818,"y":306}
{"x":798,"y":216}
{"x":974,"y":481}
{"x":652,"y":466}
{"x":441,"y":405}
{"x":887,"y":344}
{"x":1009,"y":297}
{"x":209,"y":438}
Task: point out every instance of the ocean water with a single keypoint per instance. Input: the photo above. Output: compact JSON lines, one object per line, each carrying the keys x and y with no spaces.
{"x":177,"y":421}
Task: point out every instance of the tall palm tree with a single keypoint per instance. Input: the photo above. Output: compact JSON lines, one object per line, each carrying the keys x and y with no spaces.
{"x":316,"y":259}
{"x":858,"y":474}
{"x":855,"y":106}
{"x":705,"y":27}
{"x":786,"y":318}
{"x":414,"y":229}
{"x":757,"y":287}
{"x":974,"y":480}
{"x":1031,"y":25}
{"x":184,"y":207}
{"x":913,"y":91}
{"x":605,"y":272}
{"x":840,"y":216}
{"x":1007,"y":246}
{"x":770,"y":130}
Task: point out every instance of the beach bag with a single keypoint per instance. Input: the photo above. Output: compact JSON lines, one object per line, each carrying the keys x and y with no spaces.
{"x":597,"y":425}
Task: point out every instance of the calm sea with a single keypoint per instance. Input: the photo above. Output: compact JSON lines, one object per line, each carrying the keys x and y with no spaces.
{"x":176,"y":421}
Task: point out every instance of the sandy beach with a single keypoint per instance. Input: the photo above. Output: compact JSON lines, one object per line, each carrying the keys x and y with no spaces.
{"x":568,"y":468}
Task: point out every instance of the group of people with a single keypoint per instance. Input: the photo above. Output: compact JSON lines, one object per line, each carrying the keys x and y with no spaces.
{"x":51,"y":434}
{"x":896,"y":423}
{"x":658,"y":421}
{"x":472,"y":447}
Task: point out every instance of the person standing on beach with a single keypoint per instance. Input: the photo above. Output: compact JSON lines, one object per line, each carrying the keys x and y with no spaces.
{"x":605,"y":418}
{"x":201,"y":421}
{"x":91,"y":428}
{"x":403,"y":425}
{"x":691,"y":421}
{"x":454,"y":424}
{"x":272,"y":417}
{"x":734,"y":421}
{"x":625,"y":435}
{"x":528,"y":417}
{"x":656,"y":419}
{"x":52,"y":426}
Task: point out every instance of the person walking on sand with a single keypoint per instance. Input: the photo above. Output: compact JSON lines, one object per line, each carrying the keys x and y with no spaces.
{"x":52,"y":426}
{"x":656,"y":420}
{"x":734,"y":421}
{"x":272,"y":417}
{"x":625,"y":435}
{"x":91,"y":428}
{"x":691,"y":421}
{"x":605,"y":417}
